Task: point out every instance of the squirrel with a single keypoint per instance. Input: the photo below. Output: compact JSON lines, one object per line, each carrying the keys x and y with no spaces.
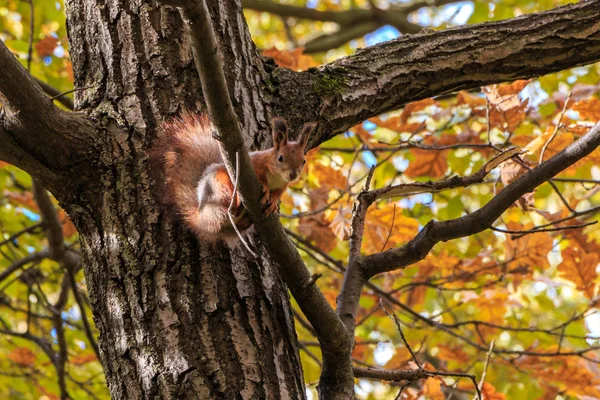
{"x":199,"y":186}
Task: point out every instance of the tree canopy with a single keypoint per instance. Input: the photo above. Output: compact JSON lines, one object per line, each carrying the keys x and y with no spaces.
{"x":498,"y":297}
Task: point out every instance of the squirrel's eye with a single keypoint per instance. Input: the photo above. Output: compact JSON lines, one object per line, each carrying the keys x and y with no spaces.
{"x":280,"y":158}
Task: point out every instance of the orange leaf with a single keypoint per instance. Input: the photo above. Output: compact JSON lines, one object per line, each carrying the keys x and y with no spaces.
{"x":292,"y":59}
{"x":411,"y":108}
{"x":82,"y":359}
{"x":475,"y":102}
{"x":505,"y":96}
{"x":530,"y":251}
{"x":327,"y":175}
{"x":67,"y":225}
{"x":316,"y":229}
{"x":448,"y":353}
{"x":22,"y":356}
{"x":24,"y":199}
{"x":580,"y":268}
{"x":588,"y":109}
{"x":46,"y":46}
{"x":489,"y":392}
{"x":3,"y":164}
{"x":433,"y":389}
{"x":429,"y":163}
{"x":379,"y":226}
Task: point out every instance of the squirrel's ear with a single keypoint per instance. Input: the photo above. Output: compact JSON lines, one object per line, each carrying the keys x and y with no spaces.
{"x":307,"y":129}
{"x":280,"y":132}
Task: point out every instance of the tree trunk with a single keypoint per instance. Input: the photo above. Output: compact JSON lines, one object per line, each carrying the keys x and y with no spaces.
{"x":177,"y":319}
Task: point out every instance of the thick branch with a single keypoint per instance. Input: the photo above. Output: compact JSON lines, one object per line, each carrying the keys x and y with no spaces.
{"x":483,"y":218}
{"x":331,"y":332}
{"x":34,"y":134}
{"x":386,"y":76}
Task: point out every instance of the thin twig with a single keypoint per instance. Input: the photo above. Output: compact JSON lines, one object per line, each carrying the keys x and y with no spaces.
{"x":556,"y":128}
{"x":485,"y":367}
{"x":395,"y":319}
{"x":391,"y":227}
{"x":71,"y":91}
{"x":235,"y":186}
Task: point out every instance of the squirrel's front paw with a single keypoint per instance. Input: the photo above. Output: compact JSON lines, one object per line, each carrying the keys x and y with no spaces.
{"x":264,"y":200}
{"x":271,"y":207}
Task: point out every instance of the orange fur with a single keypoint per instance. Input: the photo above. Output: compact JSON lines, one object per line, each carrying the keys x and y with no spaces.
{"x":198,"y":184}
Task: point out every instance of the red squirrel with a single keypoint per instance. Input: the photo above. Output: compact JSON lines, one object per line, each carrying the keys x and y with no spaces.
{"x":199,"y":186}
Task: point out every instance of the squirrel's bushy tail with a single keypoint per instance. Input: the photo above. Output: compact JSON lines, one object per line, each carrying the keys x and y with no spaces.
{"x":188,"y":151}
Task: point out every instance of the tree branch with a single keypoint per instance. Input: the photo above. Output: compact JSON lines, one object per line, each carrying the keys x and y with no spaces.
{"x":346,"y":92}
{"x":335,"y":342}
{"x":483,"y":218}
{"x":34,"y":134}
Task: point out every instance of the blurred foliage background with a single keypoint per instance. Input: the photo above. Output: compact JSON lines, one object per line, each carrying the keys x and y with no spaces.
{"x":530,"y":285}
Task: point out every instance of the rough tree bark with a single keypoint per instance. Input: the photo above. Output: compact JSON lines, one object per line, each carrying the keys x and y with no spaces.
{"x":178,"y":319}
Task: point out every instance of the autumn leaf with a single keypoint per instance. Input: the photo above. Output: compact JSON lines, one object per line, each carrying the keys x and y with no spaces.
{"x":25,"y":199}
{"x":379,"y":227}
{"x":489,"y":392}
{"x":82,"y":359}
{"x":46,"y":46}
{"x":530,"y":251}
{"x":396,"y":124}
{"x":430,"y":163}
{"x":22,"y":356}
{"x":588,"y":109}
{"x":340,"y":225}
{"x":432,"y":388}
{"x":456,"y":354}
{"x":413,"y":107}
{"x":293,"y":59}
{"x":3,"y":164}
{"x":505,"y":96}
{"x":327,"y":175}
{"x":580,"y":268}
{"x":317,"y":230}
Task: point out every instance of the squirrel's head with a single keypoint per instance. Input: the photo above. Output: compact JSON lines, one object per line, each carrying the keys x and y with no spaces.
{"x":289,"y":156}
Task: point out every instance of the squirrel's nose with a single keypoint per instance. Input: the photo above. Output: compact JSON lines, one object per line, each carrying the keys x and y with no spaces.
{"x":293,"y":175}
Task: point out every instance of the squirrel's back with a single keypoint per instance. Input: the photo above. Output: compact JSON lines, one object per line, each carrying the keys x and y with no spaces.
{"x":188,"y":151}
